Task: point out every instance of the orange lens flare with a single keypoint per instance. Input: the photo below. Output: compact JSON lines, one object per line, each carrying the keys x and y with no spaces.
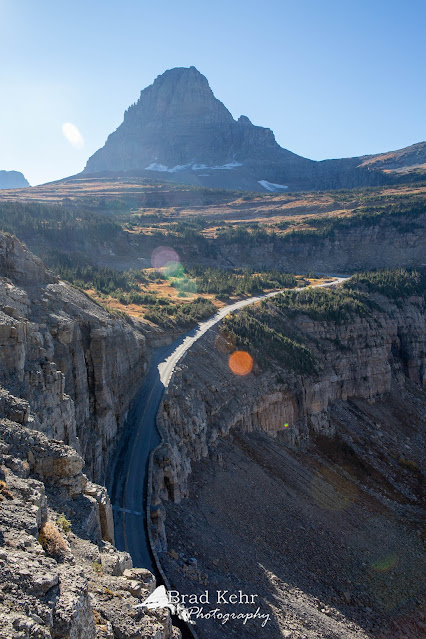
{"x":240,"y":363}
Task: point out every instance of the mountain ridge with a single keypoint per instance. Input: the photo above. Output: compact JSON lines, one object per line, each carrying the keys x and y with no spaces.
{"x":179,"y":129}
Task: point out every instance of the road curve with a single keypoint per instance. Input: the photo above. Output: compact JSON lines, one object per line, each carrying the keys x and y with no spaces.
{"x":127,"y":480}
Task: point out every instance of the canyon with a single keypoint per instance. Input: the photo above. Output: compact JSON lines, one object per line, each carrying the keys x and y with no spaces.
{"x":300,"y":482}
{"x":338,"y":450}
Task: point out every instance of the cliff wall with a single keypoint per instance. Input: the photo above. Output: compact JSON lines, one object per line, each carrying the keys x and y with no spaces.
{"x":305,"y":489}
{"x":76,"y":365}
{"x":360,"y":358}
{"x":345,"y":250}
{"x":68,"y":372}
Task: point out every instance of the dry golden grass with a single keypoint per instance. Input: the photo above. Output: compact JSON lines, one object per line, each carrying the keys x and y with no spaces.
{"x":4,"y":492}
{"x":52,"y":541}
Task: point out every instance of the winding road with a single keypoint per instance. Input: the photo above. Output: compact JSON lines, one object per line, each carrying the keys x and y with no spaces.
{"x":127,"y":483}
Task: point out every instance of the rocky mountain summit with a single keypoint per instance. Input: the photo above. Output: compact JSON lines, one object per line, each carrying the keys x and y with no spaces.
{"x":12,"y":180}
{"x":178,"y":130}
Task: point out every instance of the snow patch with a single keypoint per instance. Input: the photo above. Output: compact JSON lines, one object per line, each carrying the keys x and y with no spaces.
{"x":155,"y":166}
{"x":270,"y":186}
{"x":230,"y":165}
{"x":164,"y":169}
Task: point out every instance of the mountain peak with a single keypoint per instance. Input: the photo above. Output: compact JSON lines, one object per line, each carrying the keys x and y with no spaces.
{"x":179,"y":130}
{"x":189,"y":77}
{"x":181,"y":72}
{"x":177,"y":95}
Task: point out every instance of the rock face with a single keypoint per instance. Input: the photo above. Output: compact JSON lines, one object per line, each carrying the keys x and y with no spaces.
{"x":342,"y":251}
{"x":68,"y":371}
{"x":179,"y":127}
{"x":74,"y":367}
{"x":361,"y":358}
{"x":306,"y":490}
{"x":12,"y":180}
{"x":179,"y":131}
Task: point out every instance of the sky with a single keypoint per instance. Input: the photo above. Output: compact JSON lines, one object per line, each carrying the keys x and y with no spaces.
{"x":331,"y":78}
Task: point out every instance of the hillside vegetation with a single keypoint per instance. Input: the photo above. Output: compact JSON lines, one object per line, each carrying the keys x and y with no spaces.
{"x":98,"y":235}
{"x":396,"y":284}
{"x":268,"y":332}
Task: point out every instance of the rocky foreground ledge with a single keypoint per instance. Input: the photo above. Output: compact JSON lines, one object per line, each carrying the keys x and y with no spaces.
{"x":60,"y":575}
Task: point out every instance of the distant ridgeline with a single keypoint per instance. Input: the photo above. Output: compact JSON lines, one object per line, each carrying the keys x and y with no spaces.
{"x":12,"y":180}
{"x":180,"y":132}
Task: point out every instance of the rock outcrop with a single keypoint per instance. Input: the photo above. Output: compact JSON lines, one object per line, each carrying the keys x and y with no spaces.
{"x":75,"y":365}
{"x":179,"y":131}
{"x":60,"y":576}
{"x":344,"y":250}
{"x":360,"y":358}
{"x":12,"y":180}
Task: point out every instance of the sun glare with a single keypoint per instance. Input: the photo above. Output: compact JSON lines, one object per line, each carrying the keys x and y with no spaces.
{"x":240,"y":363}
{"x":73,"y":135}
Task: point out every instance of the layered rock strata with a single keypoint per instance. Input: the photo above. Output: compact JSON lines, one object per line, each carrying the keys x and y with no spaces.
{"x":359,"y":358}
{"x":68,"y":371}
{"x":77,"y":366}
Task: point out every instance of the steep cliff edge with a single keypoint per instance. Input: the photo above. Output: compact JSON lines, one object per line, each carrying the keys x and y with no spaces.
{"x":358,"y":358}
{"x":77,"y":366}
{"x":303,"y":488}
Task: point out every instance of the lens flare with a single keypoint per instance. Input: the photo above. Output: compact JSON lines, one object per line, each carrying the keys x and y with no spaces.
{"x":73,"y":135}
{"x":240,"y":363}
{"x":174,"y":270}
{"x":385,"y":563}
{"x":395,"y":578}
{"x":165,"y":257}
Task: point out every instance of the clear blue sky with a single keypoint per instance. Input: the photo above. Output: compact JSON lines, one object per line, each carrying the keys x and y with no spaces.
{"x":331,"y":78}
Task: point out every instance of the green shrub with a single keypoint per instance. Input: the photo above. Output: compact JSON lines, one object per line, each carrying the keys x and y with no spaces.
{"x":325,"y":303}
{"x":63,"y":523}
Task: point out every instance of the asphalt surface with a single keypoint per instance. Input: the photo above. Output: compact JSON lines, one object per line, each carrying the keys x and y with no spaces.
{"x":127,"y":482}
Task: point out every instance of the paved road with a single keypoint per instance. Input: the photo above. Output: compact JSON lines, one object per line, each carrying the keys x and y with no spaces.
{"x":127,"y":484}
